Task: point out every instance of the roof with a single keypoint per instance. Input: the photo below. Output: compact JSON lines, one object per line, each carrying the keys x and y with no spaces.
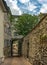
{"x":3,"y":5}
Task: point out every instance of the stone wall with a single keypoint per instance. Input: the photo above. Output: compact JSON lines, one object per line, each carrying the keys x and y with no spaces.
{"x":7,"y":35}
{"x":34,"y":39}
{"x":1,"y":35}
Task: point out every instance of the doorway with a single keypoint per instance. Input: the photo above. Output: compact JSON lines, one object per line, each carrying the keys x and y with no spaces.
{"x":15,"y":48}
{"x":28,"y":50}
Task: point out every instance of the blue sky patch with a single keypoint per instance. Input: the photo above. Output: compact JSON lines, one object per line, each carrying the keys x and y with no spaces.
{"x":19,"y":7}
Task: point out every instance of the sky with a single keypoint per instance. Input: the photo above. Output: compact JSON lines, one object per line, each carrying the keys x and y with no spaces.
{"x":19,"y":7}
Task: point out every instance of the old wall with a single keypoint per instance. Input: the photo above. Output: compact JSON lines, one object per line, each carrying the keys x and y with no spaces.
{"x":34,"y":39}
{"x":1,"y":33}
{"x":7,"y":35}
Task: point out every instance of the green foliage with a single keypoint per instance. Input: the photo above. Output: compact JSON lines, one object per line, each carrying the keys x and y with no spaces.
{"x":11,"y":18}
{"x":40,"y":16}
{"x":25,"y":23}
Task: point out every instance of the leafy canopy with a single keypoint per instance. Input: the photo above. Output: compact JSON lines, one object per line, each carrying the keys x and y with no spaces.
{"x":26,"y":23}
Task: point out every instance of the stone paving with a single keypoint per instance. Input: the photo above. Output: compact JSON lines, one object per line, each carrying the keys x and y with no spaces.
{"x":16,"y":61}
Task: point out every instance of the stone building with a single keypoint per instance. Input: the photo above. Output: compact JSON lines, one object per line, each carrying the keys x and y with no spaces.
{"x":5,"y":33}
{"x":34,"y":46}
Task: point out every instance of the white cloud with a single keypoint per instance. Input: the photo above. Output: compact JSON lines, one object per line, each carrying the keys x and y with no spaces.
{"x":24,"y":1}
{"x":10,"y":1}
{"x":15,"y":12}
{"x":13,"y":7}
{"x":31,"y":7}
{"x":44,"y":8}
{"x":42,"y":1}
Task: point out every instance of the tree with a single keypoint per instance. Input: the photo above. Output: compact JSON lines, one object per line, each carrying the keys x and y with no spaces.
{"x":25,"y":23}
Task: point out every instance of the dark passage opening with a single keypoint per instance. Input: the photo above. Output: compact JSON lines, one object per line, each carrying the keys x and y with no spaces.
{"x":28,"y":50}
{"x":16,"y":48}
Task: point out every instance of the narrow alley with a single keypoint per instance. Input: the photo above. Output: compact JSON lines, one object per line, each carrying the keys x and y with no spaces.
{"x":16,"y":61}
{"x":23,"y":34}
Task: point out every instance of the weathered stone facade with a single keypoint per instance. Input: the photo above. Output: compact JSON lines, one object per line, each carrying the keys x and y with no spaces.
{"x":5,"y":33}
{"x":1,"y":35}
{"x":36,"y":46}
